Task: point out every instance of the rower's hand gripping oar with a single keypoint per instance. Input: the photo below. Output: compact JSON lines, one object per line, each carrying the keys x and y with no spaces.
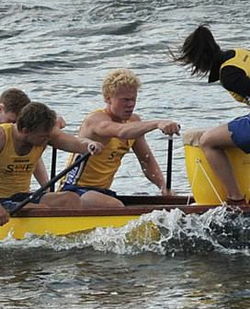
{"x":37,"y":193}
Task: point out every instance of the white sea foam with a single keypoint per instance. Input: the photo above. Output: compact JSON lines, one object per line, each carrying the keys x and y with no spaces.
{"x":165,"y":233}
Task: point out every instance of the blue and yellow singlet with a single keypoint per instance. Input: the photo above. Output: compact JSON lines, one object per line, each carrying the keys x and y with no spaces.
{"x":100,"y":168}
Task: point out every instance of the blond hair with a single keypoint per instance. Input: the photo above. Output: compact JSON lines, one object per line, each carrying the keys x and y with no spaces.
{"x":117,"y":79}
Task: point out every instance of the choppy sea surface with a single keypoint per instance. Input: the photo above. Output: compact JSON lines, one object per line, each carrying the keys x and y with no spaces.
{"x":58,"y":52}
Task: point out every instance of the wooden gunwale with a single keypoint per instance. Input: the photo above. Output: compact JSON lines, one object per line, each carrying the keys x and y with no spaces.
{"x":135,"y":205}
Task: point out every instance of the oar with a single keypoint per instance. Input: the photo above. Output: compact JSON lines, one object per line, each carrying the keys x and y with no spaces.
{"x":37,"y":193}
{"x":169,"y":163}
{"x":53,"y":168}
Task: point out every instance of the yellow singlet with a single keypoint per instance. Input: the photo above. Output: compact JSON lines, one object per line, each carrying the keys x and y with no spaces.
{"x":15,"y":170}
{"x":101,"y":168}
{"x":241,"y":60}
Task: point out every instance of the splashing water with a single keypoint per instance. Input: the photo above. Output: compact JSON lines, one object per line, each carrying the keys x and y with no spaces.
{"x":161,"y":232}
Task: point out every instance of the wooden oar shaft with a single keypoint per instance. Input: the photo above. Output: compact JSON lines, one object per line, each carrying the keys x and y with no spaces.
{"x":169,"y":163}
{"x":37,"y":193}
{"x":53,"y":168}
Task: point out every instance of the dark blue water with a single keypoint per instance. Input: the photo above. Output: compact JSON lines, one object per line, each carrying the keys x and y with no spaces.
{"x":58,"y":52}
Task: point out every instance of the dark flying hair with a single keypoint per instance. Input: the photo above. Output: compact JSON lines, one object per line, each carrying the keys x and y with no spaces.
{"x":199,"y":51}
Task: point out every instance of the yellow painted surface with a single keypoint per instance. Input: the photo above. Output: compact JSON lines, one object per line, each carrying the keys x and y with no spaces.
{"x":202,"y":190}
{"x":60,"y":225}
{"x":144,"y":233}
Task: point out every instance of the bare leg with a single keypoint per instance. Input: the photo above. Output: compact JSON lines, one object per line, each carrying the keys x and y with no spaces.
{"x":90,"y":199}
{"x":33,"y":205}
{"x":94,"y":199}
{"x":213,"y":142}
{"x":65,"y":199}
{"x":4,"y":215}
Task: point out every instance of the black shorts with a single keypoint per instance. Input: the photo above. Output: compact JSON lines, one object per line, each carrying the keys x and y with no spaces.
{"x":81,"y":190}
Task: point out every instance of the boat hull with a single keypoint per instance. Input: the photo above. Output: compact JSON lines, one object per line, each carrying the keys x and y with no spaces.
{"x":61,"y":221}
{"x":18,"y":227}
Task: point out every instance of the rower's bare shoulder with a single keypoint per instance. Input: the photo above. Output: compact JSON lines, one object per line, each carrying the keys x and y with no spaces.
{"x":135,"y":117}
{"x":96,"y":118}
{"x":91,"y":123}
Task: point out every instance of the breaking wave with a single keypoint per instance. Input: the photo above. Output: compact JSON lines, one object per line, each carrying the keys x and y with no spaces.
{"x":161,"y":232}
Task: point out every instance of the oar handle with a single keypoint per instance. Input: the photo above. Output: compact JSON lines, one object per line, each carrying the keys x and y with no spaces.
{"x":169,"y":163}
{"x":37,"y":193}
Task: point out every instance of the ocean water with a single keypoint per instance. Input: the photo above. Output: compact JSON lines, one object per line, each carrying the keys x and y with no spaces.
{"x":58,"y":52}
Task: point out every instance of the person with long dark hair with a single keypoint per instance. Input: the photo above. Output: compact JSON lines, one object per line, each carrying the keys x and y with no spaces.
{"x":204,"y":56}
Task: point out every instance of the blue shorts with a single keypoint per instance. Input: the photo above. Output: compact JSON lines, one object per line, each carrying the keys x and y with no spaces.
{"x":81,"y":190}
{"x":10,"y":203}
{"x":240,"y":128}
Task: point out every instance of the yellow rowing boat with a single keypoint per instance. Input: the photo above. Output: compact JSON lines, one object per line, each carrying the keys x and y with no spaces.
{"x":61,"y":221}
{"x":206,"y":188}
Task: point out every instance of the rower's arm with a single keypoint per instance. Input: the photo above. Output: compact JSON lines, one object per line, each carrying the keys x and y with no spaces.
{"x":71,"y":143}
{"x":148,"y":163}
{"x":40,"y":173}
{"x":234,"y":79}
{"x":106,"y":128}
